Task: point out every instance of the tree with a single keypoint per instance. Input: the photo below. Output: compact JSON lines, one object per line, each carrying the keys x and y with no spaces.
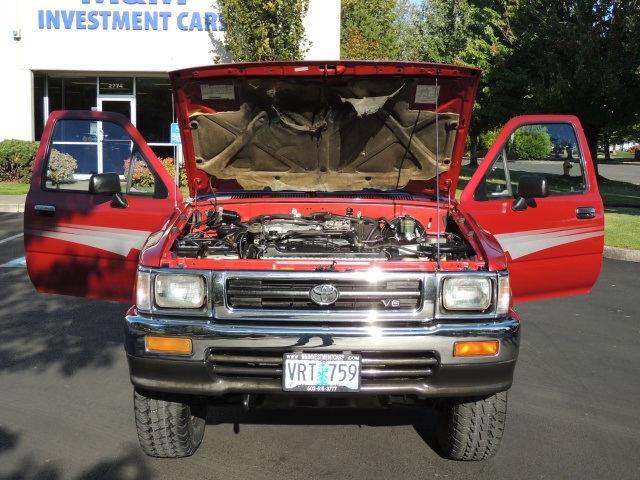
{"x":615,"y":134}
{"x":471,"y":34}
{"x":581,"y":57}
{"x":408,"y":25}
{"x":257,"y":30}
{"x":369,"y":30}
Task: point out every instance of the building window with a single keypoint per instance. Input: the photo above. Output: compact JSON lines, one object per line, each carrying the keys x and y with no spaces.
{"x":72,"y":93}
{"x":39,"y":97}
{"x":154,"y":104}
{"x":152,"y":114}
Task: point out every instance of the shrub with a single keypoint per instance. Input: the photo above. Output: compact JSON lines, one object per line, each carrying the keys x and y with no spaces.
{"x":143,"y":177}
{"x":61,"y":167}
{"x":16,"y":160}
{"x":487,"y":139}
{"x":170,"y":166}
{"x":531,"y":143}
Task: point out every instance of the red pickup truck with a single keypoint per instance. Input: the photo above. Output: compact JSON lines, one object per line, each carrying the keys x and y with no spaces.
{"x":323,"y":250}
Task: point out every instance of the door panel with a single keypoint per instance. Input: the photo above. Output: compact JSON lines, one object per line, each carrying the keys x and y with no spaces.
{"x":553,"y":243}
{"x":79,"y":243}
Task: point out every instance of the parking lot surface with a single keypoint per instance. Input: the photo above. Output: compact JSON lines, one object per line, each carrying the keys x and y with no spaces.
{"x":66,"y":409}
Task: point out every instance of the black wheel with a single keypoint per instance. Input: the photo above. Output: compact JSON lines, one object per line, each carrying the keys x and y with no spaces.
{"x":169,"y":425}
{"x":471,"y":428}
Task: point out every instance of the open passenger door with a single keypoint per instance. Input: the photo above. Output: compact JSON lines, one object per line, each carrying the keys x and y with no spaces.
{"x":97,"y":193}
{"x":536,"y":193}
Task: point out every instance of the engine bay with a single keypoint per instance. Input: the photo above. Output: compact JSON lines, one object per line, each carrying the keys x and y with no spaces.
{"x":220,"y":233}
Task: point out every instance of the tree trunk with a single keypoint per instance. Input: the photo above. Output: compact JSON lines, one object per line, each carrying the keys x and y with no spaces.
{"x":592,"y":132}
{"x":474,"y":149}
{"x":607,"y":146}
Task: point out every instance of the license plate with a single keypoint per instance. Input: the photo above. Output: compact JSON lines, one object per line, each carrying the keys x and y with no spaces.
{"x":321,"y":372}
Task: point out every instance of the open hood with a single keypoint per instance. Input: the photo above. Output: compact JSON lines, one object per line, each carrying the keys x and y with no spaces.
{"x":314,"y":126}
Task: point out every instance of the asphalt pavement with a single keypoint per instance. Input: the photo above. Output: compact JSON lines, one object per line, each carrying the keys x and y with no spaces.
{"x":66,"y":408}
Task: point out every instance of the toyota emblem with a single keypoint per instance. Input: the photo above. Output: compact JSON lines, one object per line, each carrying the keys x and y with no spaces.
{"x":324,"y":294}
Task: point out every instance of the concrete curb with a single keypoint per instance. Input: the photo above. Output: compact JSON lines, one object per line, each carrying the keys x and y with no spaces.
{"x":12,"y":208}
{"x":623,"y":254}
{"x":15,"y":204}
{"x":12,"y":203}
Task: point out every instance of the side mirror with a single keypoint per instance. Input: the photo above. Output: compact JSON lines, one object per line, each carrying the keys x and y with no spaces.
{"x":108,"y":184}
{"x":104,"y":184}
{"x":529,"y":187}
{"x":532,"y":186}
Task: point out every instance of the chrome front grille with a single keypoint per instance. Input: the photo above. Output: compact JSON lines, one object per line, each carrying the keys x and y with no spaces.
{"x":375,"y":365}
{"x":390,"y":295}
{"x":369,"y":299}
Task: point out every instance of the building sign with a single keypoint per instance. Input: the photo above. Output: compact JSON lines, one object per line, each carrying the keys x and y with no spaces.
{"x":116,"y":85}
{"x":175,"y":134}
{"x":144,"y":15}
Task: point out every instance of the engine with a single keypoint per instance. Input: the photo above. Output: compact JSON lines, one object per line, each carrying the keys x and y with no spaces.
{"x":316,"y":236}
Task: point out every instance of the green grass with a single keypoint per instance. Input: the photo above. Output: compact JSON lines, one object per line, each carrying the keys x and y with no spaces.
{"x":617,"y":158}
{"x":620,"y":226}
{"x":13,"y":188}
{"x":613,"y":192}
{"x":619,"y":194}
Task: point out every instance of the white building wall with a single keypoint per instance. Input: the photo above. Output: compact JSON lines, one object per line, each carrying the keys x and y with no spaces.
{"x":322,"y":26}
{"x":16,"y":92}
{"x":112,"y":36}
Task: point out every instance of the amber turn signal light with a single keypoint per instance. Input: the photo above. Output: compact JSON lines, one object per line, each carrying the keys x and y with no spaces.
{"x":181,"y":346}
{"x":476,"y":349}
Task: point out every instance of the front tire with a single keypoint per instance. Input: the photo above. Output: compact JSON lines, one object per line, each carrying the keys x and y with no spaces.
{"x":169,"y":425}
{"x":471,"y":428}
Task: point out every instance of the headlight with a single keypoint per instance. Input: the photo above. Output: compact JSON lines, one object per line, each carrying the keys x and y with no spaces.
{"x":466,"y":293}
{"x":179,"y":291}
{"x":143,"y":290}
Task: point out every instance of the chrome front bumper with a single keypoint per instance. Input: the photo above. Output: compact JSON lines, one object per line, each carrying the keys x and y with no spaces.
{"x":448,"y":375}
